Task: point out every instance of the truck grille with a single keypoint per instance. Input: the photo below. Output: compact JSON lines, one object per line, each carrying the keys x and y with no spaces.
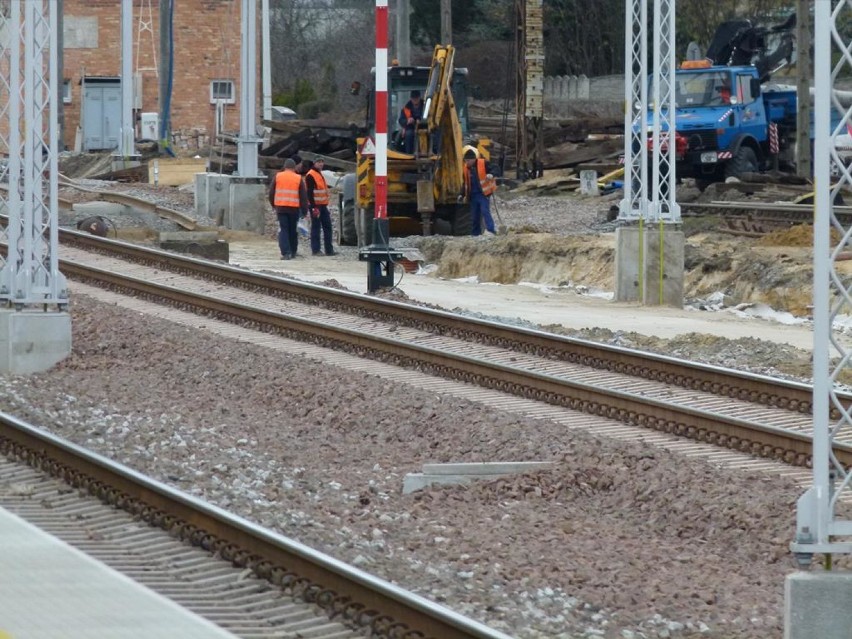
{"x":701,"y":140}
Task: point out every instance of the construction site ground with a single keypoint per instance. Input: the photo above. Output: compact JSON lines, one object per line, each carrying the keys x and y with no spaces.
{"x":747,"y":301}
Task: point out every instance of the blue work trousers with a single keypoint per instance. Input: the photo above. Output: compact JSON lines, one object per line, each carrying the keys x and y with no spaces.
{"x":408,"y":140}
{"x":480,"y":209}
{"x":288,"y":232}
{"x":321,"y":222}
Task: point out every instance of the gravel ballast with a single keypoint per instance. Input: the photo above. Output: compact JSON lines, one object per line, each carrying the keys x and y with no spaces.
{"x":618,"y":541}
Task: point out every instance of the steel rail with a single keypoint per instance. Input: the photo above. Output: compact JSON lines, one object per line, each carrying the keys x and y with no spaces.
{"x":752,"y":387}
{"x":164,"y":212}
{"x":738,"y":434}
{"x":271,"y":555}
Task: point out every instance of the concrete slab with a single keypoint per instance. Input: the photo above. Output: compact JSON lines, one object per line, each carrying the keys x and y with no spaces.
{"x":454,"y":474}
{"x":32,"y":341}
{"x":50,"y":589}
{"x":816,"y":604}
{"x":486,"y":468}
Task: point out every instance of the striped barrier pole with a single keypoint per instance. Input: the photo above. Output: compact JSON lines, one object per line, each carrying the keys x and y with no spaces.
{"x":380,"y":257}
{"x":381,"y":189}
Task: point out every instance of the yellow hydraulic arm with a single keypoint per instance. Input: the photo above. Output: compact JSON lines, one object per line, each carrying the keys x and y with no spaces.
{"x":442,"y":126}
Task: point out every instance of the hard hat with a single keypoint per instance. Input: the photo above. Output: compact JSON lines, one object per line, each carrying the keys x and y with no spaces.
{"x":470,"y":147}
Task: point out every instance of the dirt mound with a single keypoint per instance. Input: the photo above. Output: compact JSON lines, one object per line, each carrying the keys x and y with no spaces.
{"x":800,"y":235}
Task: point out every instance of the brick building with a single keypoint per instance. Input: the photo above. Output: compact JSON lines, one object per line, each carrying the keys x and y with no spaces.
{"x":205,"y":86}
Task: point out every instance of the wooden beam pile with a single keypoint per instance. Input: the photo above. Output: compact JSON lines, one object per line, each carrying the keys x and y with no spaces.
{"x":567,"y":142}
{"x":333,"y":140}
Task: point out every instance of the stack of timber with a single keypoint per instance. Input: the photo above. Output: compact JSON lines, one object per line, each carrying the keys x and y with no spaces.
{"x":567,"y":142}
{"x":332,"y":140}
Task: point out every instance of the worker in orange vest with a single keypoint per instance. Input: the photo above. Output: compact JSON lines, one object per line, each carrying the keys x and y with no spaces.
{"x":479,"y":184}
{"x":318,"y":199}
{"x":289,"y":198}
{"x":409,"y":116}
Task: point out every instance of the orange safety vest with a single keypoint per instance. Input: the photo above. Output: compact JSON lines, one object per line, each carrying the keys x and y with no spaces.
{"x":488,"y":184}
{"x":287,"y":184}
{"x":321,"y":189}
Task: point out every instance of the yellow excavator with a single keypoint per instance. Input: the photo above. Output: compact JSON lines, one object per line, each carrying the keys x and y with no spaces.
{"x":423,"y":187}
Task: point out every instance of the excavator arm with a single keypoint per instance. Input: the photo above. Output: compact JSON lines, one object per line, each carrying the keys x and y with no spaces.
{"x":442,"y":133}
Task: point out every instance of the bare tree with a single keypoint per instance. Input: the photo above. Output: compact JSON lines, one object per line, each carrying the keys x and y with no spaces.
{"x":324,"y":45}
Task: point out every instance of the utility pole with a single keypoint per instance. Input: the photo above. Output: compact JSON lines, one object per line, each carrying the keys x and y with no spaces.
{"x":266,"y":60}
{"x":446,"y":22}
{"x":60,"y":71}
{"x":164,"y":74}
{"x":803,"y":88}
{"x":127,"y":143}
{"x":403,"y":32}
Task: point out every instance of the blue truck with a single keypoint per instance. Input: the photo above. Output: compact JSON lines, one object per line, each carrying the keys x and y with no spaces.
{"x":727,"y":124}
{"x":729,"y":120}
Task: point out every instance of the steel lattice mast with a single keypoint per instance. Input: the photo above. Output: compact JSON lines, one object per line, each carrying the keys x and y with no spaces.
{"x":819,"y":528}
{"x":31,"y":274}
{"x":639,"y":202}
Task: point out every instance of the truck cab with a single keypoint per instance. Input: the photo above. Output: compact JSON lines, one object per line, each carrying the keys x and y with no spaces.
{"x":722,"y":120}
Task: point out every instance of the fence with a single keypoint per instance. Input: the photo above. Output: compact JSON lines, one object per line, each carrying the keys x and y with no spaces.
{"x":568,"y":95}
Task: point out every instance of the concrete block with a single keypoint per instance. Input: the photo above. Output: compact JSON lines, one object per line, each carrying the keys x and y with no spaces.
{"x":212,"y":197}
{"x":816,"y":604}
{"x":32,"y":341}
{"x":248,"y":204}
{"x":453,"y":474}
{"x":638,"y":258}
{"x":589,"y":183}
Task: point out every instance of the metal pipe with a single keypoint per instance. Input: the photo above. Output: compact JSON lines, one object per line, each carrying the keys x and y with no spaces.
{"x":247,"y":143}
{"x":266,"y":60}
{"x":127,"y":146}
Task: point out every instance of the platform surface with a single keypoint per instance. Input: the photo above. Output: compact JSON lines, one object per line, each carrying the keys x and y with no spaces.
{"x":50,"y":590}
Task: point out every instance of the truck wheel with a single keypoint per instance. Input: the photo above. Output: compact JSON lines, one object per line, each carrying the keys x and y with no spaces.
{"x":744,"y":161}
{"x":348,"y":234}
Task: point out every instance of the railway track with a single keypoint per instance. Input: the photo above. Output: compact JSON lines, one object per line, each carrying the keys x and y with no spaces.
{"x":763,"y":416}
{"x":759,"y":218}
{"x":243,"y":577}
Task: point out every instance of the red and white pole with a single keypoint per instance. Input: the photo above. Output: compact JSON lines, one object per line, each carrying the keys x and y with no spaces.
{"x":381,"y":190}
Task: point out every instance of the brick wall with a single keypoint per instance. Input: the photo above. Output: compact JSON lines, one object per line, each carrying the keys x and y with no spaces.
{"x":207,"y":41}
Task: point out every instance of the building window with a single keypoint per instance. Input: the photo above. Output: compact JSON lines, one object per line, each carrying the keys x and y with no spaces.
{"x":66,"y":91}
{"x":222,"y":91}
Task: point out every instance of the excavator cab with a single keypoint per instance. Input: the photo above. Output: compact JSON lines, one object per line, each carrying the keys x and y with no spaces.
{"x":401,"y":82}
